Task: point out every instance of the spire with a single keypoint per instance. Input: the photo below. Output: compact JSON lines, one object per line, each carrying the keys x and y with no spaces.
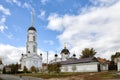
{"x":32,"y":18}
{"x":32,"y":27}
{"x":64,"y":45}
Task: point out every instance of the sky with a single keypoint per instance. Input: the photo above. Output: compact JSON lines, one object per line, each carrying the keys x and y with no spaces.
{"x":78,"y":23}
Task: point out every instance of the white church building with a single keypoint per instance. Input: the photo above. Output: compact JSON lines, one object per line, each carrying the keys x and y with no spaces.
{"x":73,"y":64}
{"x":31,"y":58}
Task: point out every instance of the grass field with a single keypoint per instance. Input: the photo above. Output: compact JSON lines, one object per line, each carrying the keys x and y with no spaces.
{"x":77,"y":76}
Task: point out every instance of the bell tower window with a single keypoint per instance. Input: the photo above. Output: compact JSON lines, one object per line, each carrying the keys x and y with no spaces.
{"x":27,"y":38}
{"x":34,"y":48}
{"x":33,"y":38}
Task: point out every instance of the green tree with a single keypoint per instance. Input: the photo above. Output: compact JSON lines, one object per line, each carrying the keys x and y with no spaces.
{"x":117,"y":54}
{"x":4,"y":70}
{"x":54,"y":67}
{"x":87,"y":52}
{"x":57,"y":67}
{"x":50,"y":68}
{"x":13,"y":67}
{"x":33,"y":69}
{"x":16,"y":68}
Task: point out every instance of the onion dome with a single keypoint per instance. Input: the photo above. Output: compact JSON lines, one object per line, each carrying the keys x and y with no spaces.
{"x":32,"y":28}
{"x":65,"y":50}
{"x":56,"y":55}
{"x":74,"y":55}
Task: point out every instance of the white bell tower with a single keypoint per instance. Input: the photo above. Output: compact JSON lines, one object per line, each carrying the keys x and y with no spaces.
{"x":31,"y":45}
{"x":31,"y":58}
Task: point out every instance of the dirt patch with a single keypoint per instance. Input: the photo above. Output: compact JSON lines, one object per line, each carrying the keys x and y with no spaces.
{"x":88,"y":76}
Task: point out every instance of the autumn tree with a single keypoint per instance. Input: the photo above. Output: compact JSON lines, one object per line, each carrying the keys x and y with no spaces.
{"x":25,"y":69}
{"x":87,"y":52}
{"x":33,"y":69}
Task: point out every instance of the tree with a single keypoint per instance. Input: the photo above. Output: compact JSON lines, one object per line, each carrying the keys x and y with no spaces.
{"x":112,"y":66}
{"x":4,"y":70}
{"x":54,"y":67}
{"x":117,"y":54}
{"x":50,"y":68}
{"x":33,"y":69}
{"x":16,"y":68}
{"x":57,"y":67}
{"x":25,"y":69}
{"x":88,"y":53}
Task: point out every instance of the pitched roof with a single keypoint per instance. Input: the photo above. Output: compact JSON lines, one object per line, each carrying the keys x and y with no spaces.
{"x":82,"y":60}
{"x":101,"y":60}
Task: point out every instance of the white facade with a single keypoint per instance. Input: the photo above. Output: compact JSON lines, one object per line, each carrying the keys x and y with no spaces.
{"x":103,"y":67}
{"x":117,"y":61}
{"x":80,"y":67}
{"x":31,"y":58}
{"x":118,"y":65}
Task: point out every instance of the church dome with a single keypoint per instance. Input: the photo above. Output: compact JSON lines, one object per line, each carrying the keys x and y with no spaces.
{"x":74,"y":55}
{"x":56,"y":55}
{"x":65,"y":50}
{"x":31,"y":28}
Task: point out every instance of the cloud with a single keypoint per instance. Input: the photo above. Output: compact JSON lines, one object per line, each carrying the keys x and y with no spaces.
{"x":103,"y":2}
{"x":50,"y":55}
{"x":27,"y":5}
{"x":44,"y":1}
{"x":96,"y":27}
{"x":42,"y":15}
{"x":5,"y":11}
{"x":17,"y":2}
{"x":10,"y":36}
{"x":11,"y":54}
{"x":50,"y":42}
{"x":2,"y":28}
{"x":55,"y":22}
{"x":2,"y":24}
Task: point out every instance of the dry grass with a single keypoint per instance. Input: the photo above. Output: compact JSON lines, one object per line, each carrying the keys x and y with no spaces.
{"x":77,"y":76}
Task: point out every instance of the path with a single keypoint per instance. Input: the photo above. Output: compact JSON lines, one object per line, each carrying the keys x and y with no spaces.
{"x":12,"y":77}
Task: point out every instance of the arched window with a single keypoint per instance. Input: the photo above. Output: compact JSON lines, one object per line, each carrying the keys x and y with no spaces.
{"x":34,"y":48}
{"x":33,"y":38}
{"x":27,"y":47}
{"x":27,"y":38}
